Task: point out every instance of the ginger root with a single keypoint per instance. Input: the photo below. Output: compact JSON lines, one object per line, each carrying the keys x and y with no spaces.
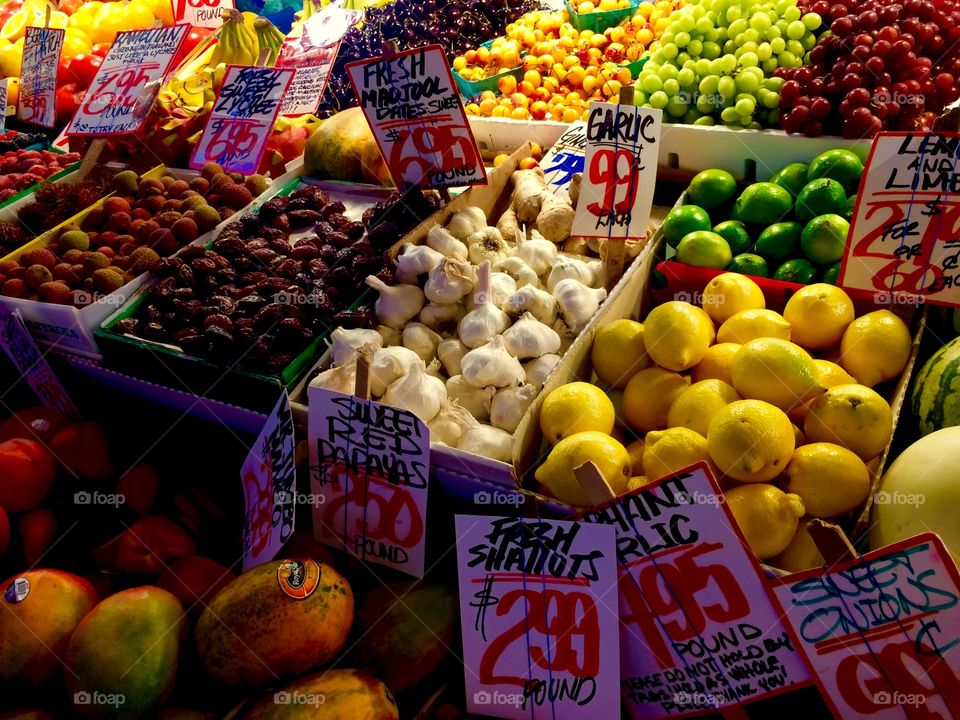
{"x":529,"y":192}
{"x":555,"y":218}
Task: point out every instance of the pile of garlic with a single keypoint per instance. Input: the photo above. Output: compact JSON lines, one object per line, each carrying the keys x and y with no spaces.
{"x":472,"y":329}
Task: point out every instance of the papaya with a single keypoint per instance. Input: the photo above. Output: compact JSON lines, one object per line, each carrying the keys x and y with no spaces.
{"x":283,"y":617}
{"x":122,"y":659}
{"x":36,"y":622}
{"x":26,"y":715}
{"x":34,"y":424}
{"x":373,"y":166}
{"x":186,"y":714}
{"x":335,"y":149}
{"x":331,"y":695}
{"x":411,"y":637}
{"x":27,"y":472}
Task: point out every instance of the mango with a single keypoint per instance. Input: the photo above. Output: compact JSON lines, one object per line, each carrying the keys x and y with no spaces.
{"x":35,"y":630}
{"x":27,"y":472}
{"x":122,"y":659}
{"x":331,"y":695}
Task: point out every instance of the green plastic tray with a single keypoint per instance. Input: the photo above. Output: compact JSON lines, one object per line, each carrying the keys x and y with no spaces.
{"x":473,"y":88}
{"x":600,"y":21}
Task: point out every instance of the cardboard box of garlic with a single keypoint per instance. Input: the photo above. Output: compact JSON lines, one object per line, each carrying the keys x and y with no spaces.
{"x":485,"y":307}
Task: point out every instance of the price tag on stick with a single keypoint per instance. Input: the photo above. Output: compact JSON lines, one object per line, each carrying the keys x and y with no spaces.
{"x":881,"y":630}
{"x":136,"y":59}
{"x":414,"y":110}
{"x":539,"y":618}
{"x":699,"y":629}
{"x":201,"y":13}
{"x":38,"y":77}
{"x":565,"y":158}
{"x":242,"y":119}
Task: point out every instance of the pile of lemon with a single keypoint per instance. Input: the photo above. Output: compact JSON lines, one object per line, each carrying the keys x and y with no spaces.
{"x":780,"y":406}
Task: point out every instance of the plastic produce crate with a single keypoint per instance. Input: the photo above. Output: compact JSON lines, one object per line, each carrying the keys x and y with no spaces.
{"x":600,"y":21}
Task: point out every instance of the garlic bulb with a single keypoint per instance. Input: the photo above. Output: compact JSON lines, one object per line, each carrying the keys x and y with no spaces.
{"x":476,"y":400}
{"x":391,"y":336}
{"x":564,"y":267}
{"x":502,"y":286}
{"x":396,"y":304}
{"x":539,"y":369}
{"x":417,"y":392}
{"x":439,"y":239}
{"x":450,"y":351}
{"x":530,"y":338}
{"x":449,"y":425}
{"x":578,"y":303}
{"x":347,"y":342}
{"x":388,"y":365}
{"x":509,"y":406}
{"x":491,"y":364}
{"x":415,"y":260}
{"x":443,"y":319}
{"x":488,"y":442}
{"x":422,"y":340}
{"x":339,"y":378}
{"x":521,"y":273}
{"x":596,"y":267}
{"x":449,"y":281}
{"x":539,"y":303}
{"x":434,"y":370}
{"x":481,"y":325}
{"x":537,"y":253}
{"x":566,"y":335}
{"x":488,"y":244}
{"x":466,"y":222}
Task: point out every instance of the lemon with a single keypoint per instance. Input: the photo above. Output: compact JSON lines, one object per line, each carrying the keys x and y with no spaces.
{"x":875,"y":347}
{"x":10,"y":57}
{"x":729,"y":294}
{"x":818,"y":315}
{"x":610,"y":457}
{"x":853,"y":416}
{"x":669,"y":451}
{"x":832,"y":374}
{"x":775,"y":371}
{"x":801,"y":554}
{"x":767,"y":516}
{"x":798,"y":437}
{"x":648,"y":397}
{"x":750,"y":440}
{"x":138,"y":15}
{"x":618,"y":352}
{"x":696,"y":406}
{"x":573,"y":408}
{"x":162,"y":10}
{"x":635,"y":450}
{"x":16,"y":26}
{"x":749,"y":325}
{"x":677,"y":335}
{"x":716,"y":363}
{"x":829,"y":479}
{"x":637,"y":481}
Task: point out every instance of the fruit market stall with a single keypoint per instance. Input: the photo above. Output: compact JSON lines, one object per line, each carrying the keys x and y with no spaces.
{"x":471,"y":358}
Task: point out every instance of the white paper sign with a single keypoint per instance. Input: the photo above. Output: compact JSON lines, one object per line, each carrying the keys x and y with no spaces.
{"x":565,"y":158}
{"x":201,"y":13}
{"x":38,"y":76}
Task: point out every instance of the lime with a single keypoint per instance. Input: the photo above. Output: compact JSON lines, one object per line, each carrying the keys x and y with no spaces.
{"x":704,"y":248}
{"x":762,"y":203}
{"x":824,"y":238}
{"x":831,"y":274}
{"x":736,"y":235}
{"x":797,"y":270}
{"x":851,"y":207}
{"x":792,"y":178}
{"x":779,"y":240}
{"x":749,"y":264}
{"x":840,"y":165}
{"x":820,"y":197}
{"x":682,"y":221}
{"x":712,"y":188}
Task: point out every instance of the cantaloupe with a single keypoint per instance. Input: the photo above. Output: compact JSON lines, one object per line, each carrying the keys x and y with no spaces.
{"x":936,"y":392}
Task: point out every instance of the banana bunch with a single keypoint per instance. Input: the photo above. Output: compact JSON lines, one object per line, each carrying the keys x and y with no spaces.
{"x":237,"y":43}
{"x":269,"y":37}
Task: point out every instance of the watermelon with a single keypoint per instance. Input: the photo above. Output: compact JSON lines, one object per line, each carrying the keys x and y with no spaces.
{"x":936,"y":391}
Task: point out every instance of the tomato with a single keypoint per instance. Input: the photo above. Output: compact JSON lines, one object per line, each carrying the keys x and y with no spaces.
{"x":197,"y":35}
{"x":101,"y":49}
{"x":67,"y":102}
{"x":82,"y":69}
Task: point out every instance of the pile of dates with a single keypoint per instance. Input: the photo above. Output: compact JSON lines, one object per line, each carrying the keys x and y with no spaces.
{"x":256,"y":298}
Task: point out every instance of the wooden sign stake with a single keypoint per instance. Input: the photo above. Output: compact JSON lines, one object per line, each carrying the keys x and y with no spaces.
{"x":262,"y":59}
{"x":831,"y":542}
{"x":593,"y":483}
{"x":362,"y":384}
{"x":614,"y":252}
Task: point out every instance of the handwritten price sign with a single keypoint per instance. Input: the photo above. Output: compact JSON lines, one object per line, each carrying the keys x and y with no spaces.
{"x":369,"y":468}
{"x":905,"y":234}
{"x":620,"y":171}
{"x":699,"y":629}
{"x":137,"y":58}
{"x":269,"y":487}
{"x":414,"y":109}
{"x":565,"y":158}
{"x":201,"y":13}
{"x":38,"y":78}
{"x":881,"y":631}
{"x":242,"y":119}
{"x":538,"y":617}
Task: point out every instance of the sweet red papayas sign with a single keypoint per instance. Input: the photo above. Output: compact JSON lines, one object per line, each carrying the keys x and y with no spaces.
{"x":539,"y":618}
{"x":881,"y":631}
{"x":415,"y":112}
{"x":699,"y":628}
{"x":369,"y":465}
